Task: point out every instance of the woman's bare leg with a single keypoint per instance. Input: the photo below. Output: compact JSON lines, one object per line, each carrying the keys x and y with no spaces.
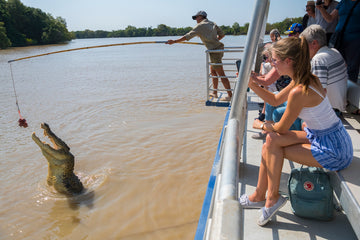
{"x":292,"y":145}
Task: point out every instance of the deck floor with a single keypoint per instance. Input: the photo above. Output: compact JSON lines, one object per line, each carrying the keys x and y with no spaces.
{"x":284,"y":225}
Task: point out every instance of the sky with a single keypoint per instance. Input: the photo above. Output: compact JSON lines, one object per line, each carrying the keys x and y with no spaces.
{"x":111,"y":15}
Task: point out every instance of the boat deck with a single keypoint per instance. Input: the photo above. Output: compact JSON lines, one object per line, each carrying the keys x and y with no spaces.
{"x":218,"y":102}
{"x":285,"y":225}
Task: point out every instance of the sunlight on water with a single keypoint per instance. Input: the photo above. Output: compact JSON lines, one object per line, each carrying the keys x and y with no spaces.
{"x":136,"y":122}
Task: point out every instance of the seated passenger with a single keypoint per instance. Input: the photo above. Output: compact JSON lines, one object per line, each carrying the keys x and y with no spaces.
{"x":325,"y":143}
{"x":273,"y":82}
{"x":328,"y":65}
{"x":294,"y":30}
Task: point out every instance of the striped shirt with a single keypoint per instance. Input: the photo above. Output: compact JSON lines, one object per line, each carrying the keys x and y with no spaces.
{"x":329,"y":66}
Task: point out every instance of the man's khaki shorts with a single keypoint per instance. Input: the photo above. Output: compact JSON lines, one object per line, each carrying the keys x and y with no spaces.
{"x":216,"y":58}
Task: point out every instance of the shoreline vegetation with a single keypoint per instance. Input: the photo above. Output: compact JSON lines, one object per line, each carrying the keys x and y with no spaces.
{"x":25,"y":26}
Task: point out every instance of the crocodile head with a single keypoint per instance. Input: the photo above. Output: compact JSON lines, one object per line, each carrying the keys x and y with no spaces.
{"x":57,"y":144}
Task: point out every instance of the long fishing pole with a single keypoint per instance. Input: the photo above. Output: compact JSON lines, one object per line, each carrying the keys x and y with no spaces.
{"x":22,"y":121}
{"x":98,"y":46}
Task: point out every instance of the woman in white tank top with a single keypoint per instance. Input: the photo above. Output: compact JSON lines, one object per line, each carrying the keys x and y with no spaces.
{"x":323,"y":143}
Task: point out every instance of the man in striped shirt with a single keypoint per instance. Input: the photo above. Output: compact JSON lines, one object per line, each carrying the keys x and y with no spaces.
{"x":328,"y":65}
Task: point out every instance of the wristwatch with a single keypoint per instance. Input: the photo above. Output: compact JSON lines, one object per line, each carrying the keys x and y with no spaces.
{"x":262,"y":126}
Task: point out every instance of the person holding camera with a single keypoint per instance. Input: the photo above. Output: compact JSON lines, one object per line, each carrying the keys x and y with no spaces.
{"x":350,"y":43}
{"x":309,"y":17}
{"x":326,"y":6}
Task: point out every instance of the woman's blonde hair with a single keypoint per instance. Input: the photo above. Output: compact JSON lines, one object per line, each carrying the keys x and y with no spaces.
{"x":297,"y":49}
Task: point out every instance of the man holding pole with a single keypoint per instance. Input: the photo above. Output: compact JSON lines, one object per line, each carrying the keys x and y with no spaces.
{"x":210,"y":34}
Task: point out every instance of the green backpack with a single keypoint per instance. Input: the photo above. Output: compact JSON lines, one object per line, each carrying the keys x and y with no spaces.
{"x":311,"y":194}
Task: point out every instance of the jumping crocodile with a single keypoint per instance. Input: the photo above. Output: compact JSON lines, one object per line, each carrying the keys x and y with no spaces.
{"x":61,"y":163}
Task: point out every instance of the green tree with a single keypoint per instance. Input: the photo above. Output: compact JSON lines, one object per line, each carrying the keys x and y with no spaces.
{"x":149,"y":32}
{"x":130,"y":31}
{"x":227,"y":30}
{"x":25,"y":25}
{"x":244,"y":29}
{"x":15,"y":23}
{"x":162,"y":30}
{"x":55,"y":31}
{"x":236,"y":28}
{"x":4,"y":40}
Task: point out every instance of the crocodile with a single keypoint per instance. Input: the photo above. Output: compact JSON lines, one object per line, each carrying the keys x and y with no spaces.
{"x":60,"y":163}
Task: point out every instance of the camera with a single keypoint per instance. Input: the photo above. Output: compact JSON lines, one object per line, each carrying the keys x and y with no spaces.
{"x":319,"y":2}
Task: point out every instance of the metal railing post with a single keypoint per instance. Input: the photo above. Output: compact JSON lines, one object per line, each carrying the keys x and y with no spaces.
{"x":207,"y":75}
{"x":226,"y":222}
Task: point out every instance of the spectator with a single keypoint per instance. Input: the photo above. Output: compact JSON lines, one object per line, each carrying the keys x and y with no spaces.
{"x":273,"y":113}
{"x":294,"y":30}
{"x":326,"y":6}
{"x":309,"y":17}
{"x":350,"y":42}
{"x":328,"y":65}
{"x":275,"y":83}
{"x":324,"y":143}
{"x":265,"y":68}
{"x":275,"y":35}
{"x":210,"y":34}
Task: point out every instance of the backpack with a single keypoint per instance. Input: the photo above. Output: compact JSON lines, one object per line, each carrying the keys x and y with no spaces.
{"x":311,"y":194}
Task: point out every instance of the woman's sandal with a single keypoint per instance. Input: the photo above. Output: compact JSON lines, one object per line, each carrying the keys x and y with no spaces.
{"x":267,"y":213}
{"x":246,"y":203}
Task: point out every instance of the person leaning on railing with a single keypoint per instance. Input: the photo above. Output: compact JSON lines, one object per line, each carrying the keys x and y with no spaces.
{"x":210,"y":34}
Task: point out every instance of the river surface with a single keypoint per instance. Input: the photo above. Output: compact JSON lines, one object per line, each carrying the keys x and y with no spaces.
{"x":136,"y":122}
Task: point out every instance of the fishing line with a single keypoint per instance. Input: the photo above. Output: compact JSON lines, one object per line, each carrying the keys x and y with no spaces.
{"x":22,"y":121}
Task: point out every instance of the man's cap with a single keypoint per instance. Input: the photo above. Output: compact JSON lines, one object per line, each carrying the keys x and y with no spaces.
{"x":294,"y":28}
{"x":310,"y":3}
{"x":199,"y":13}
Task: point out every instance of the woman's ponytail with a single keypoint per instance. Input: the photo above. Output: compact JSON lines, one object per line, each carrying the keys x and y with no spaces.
{"x":302,"y":66}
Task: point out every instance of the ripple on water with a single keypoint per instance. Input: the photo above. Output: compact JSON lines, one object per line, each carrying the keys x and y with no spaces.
{"x":91,"y":183}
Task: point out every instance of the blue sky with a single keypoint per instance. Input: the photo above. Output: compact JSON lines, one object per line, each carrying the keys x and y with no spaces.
{"x":118,"y":14}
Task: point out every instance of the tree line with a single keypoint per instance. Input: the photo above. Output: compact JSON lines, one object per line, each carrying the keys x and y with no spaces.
{"x":22,"y":26}
{"x":164,"y":30}
{"x":160,"y":30}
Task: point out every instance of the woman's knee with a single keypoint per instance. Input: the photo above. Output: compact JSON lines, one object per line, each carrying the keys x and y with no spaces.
{"x":272,"y":138}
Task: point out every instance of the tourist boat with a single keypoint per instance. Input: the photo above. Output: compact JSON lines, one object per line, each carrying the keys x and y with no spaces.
{"x":236,"y":165}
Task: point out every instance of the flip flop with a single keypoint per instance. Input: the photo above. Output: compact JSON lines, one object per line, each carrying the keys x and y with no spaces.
{"x":213,"y":95}
{"x":225,"y":99}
